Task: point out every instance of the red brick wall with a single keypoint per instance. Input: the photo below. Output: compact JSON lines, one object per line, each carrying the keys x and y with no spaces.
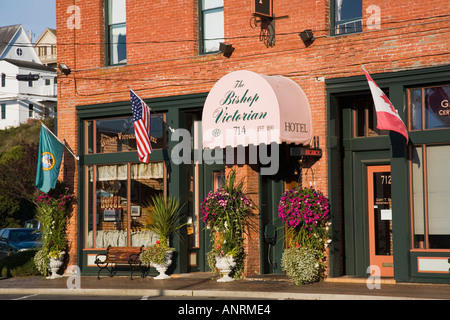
{"x":248,"y":175}
{"x":412,"y":35}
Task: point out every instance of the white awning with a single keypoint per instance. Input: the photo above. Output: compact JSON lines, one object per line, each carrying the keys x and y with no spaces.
{"x":245,"y":108}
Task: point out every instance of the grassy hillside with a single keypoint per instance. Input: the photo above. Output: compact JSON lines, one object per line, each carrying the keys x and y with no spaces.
{"x":27,"y":132}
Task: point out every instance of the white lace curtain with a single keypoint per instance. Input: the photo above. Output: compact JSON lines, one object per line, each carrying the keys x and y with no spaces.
{"x":152,"y":170}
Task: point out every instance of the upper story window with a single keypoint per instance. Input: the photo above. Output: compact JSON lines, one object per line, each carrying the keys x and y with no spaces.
{"x":347,"y":16}
{"x":211,"y":25}
{"x":3,"y":80}
{"x":429,"y":108}
{"x":116,"y":32}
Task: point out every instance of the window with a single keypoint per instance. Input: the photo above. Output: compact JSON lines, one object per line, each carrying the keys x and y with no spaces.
{"x":3,"y":111}
{"x":347,"y":16}
{"x":30,"y":110}
{"x":116,"y":199}
{"x":42,"y":51}
{"x":365,"y":119}
{"x":47,"y":82}
{"x":212,"y":25}
{"x":430,"y":194}
{"x":429,"y":108}
{"x":3,"y":80}
{"x":19,"y":52}
{"x":117,"y":134}
{"x":360,"y":115}
{"x":116,"y":32}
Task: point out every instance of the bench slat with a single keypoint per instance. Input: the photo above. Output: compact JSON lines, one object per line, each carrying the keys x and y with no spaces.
{"x":120,"y":255}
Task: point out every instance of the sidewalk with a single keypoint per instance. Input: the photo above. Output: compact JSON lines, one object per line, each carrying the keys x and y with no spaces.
{"x":201,"y":285}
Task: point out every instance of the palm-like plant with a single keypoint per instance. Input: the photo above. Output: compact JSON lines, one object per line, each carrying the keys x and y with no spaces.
{"x":164,"y":217}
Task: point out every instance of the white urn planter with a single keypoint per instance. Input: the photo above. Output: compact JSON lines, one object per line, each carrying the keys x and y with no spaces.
{"x":162,"y":268}
{"x":225,"y":264}
{"x":54,"y":266}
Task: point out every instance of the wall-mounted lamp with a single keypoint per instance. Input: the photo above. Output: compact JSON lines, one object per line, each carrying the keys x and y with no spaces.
{"x":307,"y":37}
{"x":64,"y":68}
{"x":226,"y":48}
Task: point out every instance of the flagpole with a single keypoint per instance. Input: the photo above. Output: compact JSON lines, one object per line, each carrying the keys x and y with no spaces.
{"x":70,"y":151}
{"x":170,"y":128}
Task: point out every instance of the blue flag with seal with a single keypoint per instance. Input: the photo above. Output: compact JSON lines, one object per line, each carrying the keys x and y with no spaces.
{"x":51,"y":151}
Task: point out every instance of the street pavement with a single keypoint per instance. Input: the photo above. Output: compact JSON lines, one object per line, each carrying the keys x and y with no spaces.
{"x":203,"y":286}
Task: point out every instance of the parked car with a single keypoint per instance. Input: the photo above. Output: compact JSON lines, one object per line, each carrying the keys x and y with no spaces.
{"x":14,"y":240}
{"x":33,"y":223}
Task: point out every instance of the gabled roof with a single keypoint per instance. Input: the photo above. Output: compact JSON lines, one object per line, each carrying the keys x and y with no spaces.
{"x":29,"y":65}
{"x":52,"y":31}
{"x":6,"y":35}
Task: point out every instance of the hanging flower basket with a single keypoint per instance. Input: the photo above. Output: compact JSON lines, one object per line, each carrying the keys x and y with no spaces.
{"x":226,"y":212}
{"x":305,"y":213}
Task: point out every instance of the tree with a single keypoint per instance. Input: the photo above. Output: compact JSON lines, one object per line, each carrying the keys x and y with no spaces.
{"x":17,"y":184}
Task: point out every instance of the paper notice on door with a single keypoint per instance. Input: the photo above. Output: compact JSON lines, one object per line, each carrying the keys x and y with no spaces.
{"x":386,"y":214}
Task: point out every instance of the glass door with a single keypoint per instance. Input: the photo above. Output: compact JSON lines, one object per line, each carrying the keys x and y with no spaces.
{"x":380,"y":219}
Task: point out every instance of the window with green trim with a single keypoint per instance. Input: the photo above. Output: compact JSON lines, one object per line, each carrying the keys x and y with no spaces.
{"x":430,"y":194}
{"x":429,"y":107}
{"x":111,"y":135}
{"x":117,"y":197}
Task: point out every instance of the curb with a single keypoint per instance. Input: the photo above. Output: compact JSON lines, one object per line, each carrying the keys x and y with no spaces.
{"x":201,"y":294}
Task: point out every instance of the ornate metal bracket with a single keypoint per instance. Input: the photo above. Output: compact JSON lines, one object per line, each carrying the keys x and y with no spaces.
{"x":267,"y":33}
{"x":267,"y":24}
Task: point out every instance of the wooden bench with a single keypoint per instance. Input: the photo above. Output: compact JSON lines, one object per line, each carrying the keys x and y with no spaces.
{"x":120,"y":255}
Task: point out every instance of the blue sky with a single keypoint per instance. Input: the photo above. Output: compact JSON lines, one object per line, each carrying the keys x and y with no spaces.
{"x":34,"y":15}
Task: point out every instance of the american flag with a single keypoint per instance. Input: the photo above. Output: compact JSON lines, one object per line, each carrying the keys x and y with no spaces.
{"x":141,"y":120}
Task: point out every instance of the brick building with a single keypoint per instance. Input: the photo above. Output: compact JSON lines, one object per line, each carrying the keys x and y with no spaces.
{"x":169,"y":53}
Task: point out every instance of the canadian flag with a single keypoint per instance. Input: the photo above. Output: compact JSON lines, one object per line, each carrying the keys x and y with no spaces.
{"x":387,"y":116}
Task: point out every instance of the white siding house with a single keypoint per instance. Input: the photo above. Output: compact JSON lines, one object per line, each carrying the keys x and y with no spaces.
{"x":23,"y":100}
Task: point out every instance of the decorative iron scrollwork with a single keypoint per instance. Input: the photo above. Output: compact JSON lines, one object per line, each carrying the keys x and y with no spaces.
{"x":267,"y":24}
{"x":267,"y":33}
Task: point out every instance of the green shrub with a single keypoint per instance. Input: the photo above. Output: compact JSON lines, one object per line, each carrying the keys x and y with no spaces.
{"x":302,"y":265}
{"x":20,"y":264}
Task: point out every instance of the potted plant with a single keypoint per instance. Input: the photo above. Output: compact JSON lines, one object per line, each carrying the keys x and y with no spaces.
{"x":55,"y":263}
{"x":226,"y":213}
{"x":164,"y":219}
{"x":52,"y":212}
{"x":160,"y":257}
{"x":305,"y":213}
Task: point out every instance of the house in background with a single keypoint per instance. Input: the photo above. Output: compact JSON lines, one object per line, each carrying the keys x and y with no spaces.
{"x":27,"y":87}
{"x":15,"y":44}
{"x":45,"y":47}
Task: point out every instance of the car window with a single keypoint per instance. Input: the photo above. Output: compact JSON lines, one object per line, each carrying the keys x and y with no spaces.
{"x":4,"y":233}
{"x":23,"y":235}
